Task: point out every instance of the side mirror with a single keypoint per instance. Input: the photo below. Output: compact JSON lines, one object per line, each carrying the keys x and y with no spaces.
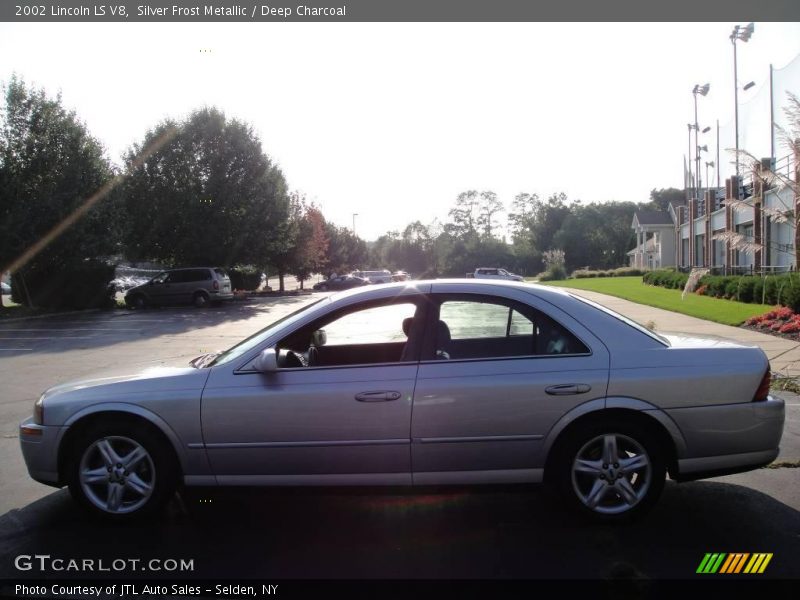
{"x":267,"y":361}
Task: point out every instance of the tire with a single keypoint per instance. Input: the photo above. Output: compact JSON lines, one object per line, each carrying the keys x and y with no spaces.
{"x":201,"y":300}
{"x":121,"y":471}
{"x":610,"y":470}
{"x":138,"y":302}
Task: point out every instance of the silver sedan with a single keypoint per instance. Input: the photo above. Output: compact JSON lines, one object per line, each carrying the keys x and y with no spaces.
{"x":420,"y":383}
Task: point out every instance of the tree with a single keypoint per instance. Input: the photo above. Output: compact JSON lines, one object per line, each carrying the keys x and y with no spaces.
{"x":208,"y":196}
{"x":523,"y":210}
{"x":311,"y":247}
{"x":346,"y":252}
{"x":660,"y":199}
{"x":488,"y":207}
{"x":464,"y":215}
{"x":56,"y":212}
{"x":772,"y":178}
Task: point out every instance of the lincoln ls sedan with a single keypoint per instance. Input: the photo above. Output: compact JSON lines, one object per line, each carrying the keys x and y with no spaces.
{"x":419,"y":383}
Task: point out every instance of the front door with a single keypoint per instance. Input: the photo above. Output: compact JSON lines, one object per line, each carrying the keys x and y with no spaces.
{"x":337,"y":411}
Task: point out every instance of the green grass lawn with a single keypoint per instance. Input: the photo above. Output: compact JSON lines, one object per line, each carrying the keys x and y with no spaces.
{"x":727,"y":312}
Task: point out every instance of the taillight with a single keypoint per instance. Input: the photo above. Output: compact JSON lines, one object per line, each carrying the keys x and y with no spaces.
{"x":216,"y":284}
{"x":763,"y":389}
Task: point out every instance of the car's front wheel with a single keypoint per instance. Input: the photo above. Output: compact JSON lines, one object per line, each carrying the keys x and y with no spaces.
{"x":611,"y":470}
{"x":121,"y":470}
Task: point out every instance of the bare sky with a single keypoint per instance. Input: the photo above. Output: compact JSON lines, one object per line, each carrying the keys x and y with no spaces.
{"x":392,"y":121}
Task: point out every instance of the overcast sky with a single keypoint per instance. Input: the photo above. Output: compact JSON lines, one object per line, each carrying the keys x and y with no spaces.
{"x":392,"y":121}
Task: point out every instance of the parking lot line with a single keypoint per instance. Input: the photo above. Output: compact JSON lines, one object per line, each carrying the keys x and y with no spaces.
{"x":3,"y":329}
{"x":60,"y":337}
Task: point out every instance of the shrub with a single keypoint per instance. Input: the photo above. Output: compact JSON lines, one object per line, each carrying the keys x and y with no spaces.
{"x":554,"y":272}
{"x":78,"y":285}
{"x":746,"y":287}
{"x":790,"y":327}
{"x":245,"y":278}
{"x":626,"y":272}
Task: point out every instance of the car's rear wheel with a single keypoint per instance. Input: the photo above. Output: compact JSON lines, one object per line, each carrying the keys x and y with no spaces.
{"x":201,"y":300}
{"x":610,"y":470}
{"x":121,"y":470}
{"x":138,"y":301}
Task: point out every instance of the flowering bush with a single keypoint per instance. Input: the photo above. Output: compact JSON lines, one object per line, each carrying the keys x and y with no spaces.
{"x":779,"y":320}
{"x":790,"y":327}
{"x":701,"y":291}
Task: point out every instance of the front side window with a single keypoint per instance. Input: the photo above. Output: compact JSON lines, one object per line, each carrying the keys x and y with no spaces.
{"x":374,"y":334}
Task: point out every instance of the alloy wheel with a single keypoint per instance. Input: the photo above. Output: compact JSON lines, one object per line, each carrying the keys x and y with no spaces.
{"x":611,"y":474}
{"x":117,"y":475}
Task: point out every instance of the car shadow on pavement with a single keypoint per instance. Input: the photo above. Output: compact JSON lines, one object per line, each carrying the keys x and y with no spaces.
{"x":460,"y":533}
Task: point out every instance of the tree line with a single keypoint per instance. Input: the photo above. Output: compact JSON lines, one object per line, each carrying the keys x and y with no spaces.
{"x":596,"y":235}
{"x":202,"y":191}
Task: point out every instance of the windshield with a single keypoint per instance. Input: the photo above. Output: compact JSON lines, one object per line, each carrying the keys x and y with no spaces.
{"x":254,"y":340}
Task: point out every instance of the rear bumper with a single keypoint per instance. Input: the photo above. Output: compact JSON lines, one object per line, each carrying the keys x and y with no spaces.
{"x":40,"y":451}
{"x":729,"y":438}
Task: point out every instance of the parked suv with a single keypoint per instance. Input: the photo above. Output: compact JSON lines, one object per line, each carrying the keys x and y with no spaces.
{"x":199,"y":286}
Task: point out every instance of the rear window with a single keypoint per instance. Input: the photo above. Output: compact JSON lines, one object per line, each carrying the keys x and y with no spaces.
{"x":221,"y":272}
{"x":624,"y":319}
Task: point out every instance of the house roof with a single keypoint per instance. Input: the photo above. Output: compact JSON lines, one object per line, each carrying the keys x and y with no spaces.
{"x":649,"y":246}
{"x":652,"y":217}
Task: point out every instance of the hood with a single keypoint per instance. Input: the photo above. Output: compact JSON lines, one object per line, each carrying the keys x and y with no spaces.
{"x":157,"y":378}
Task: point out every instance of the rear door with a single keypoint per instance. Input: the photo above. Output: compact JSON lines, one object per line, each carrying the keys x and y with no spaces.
{"x":497,"y":373}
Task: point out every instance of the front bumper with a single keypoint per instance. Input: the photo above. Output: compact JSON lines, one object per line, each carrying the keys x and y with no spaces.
{"x":40,"y":451}
{"x":729,"y":438}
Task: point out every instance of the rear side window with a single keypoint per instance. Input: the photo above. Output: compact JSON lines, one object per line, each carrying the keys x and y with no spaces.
{"x":221,"y":272}
{"x":478,"y":328}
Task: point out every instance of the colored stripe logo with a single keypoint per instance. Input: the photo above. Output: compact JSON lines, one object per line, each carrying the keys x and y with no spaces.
{"x":735,"y":562}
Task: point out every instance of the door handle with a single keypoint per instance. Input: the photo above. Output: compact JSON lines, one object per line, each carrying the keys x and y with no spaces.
{"x":381,"y":396}
{"x":567,"y":389}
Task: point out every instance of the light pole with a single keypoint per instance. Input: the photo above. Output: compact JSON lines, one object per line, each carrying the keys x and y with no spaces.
{"x":690,"y":183}
{"x":710,"y":164}
{"x":702,"y":90}
{"x":354,"y":224}
{"x":743,"y":34}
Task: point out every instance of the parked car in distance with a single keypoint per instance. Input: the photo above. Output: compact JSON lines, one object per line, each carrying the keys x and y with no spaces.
{"x":494,"y":273}
{"x":382,"y":276}
{"x":341,"y":282}
{"x":401,"y":276}
{"x":200,"y":286}
{"x":420,"y":383}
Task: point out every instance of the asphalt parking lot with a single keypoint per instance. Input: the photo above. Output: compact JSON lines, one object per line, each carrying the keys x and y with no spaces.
{"x":511,"y":533}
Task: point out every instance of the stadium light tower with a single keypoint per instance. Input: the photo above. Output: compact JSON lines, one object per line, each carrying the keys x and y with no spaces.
{"x":740,"y":33}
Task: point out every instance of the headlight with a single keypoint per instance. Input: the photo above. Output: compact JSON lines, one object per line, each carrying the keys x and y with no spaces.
{"x":38,"y":411}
